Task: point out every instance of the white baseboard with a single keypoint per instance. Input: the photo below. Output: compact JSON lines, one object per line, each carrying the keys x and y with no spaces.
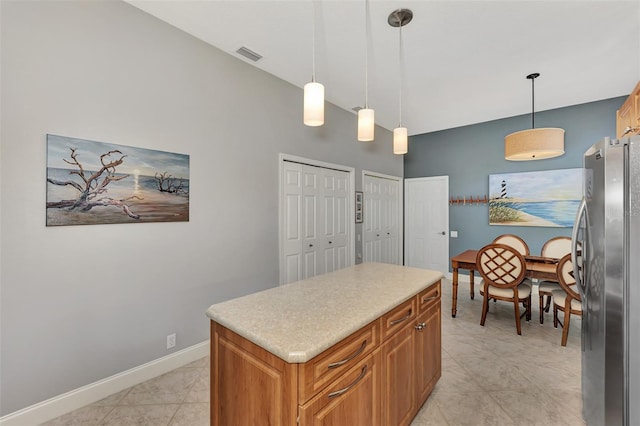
{"x":88,"y":394}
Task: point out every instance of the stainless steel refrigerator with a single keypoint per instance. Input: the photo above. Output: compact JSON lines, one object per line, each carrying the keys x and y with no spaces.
{"x":606,"y":257}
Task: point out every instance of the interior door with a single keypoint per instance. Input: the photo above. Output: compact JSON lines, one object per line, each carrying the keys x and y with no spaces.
{"x":316,"y":208}
{"x":382,"y":219}
{"x":291,"y":232}
{"x":334,"y":222}
{"x":427,"y":223}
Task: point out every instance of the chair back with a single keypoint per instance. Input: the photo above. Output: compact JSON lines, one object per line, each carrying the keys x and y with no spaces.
{"x":501,"y":265}
{"x":556,"y":247}
{"x":565,"y":277}
{"x":513,"y":241}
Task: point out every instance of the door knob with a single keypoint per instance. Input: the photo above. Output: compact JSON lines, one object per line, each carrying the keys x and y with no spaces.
{"x":310,"y":245}
{"x":329,"y":242}
{"x":442,"y":233}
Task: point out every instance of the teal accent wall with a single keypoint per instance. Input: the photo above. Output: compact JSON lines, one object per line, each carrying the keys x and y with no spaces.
{"x":469,"y":154}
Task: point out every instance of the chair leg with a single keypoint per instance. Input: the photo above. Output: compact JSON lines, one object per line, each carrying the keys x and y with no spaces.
{"x":529,"y":308}
{"x":555,"y":315}
{"x":485,"y":308}
{"x":541,"y":309}
{"x":565,"y":326}
{"x":516,"y":308}
{"x":548,"y":305}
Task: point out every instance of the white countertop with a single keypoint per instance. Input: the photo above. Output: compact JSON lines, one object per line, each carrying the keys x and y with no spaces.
{"x":297,"y":321}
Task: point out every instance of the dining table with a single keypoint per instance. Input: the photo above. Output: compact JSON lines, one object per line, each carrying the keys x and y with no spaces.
{"x":538,"y":267}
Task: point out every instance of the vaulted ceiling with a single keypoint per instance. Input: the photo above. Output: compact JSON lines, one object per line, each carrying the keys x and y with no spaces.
{"x":464,"y":62}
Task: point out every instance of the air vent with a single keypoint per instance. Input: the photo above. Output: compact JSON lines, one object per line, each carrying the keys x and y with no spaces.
{"x":249,"y":54}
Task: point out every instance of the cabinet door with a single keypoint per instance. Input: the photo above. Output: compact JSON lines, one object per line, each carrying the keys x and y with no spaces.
{"x":636,"y":122}
{"x":398,"y":383}
{"x":353,"y":399}
{"x":428,"y":351}
{"x":625,"y":117}
{"x":249,"y":386}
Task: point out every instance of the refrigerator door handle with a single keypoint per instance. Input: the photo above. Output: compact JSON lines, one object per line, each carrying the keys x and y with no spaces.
{"x":582,"y":210}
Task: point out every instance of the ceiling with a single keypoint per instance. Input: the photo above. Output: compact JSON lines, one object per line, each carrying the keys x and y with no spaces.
{"x":464,"y":62}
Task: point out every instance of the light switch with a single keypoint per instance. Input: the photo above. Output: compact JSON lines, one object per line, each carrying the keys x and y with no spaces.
{"x":454,"y":234}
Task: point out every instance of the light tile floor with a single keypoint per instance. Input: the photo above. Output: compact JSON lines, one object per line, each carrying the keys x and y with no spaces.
{"x":490,"y":376}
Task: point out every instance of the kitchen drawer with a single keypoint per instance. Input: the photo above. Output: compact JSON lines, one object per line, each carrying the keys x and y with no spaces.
{"x":352,"y":399}
{"x":397,"y":318}
{"x":318,"y":372}
{"x":429,"y":296}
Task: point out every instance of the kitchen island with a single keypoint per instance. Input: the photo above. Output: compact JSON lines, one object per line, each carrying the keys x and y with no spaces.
{"x":360,"y":345}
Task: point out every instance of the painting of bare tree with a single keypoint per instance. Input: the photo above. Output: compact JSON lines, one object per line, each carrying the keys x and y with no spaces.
{"x":91,"y":182}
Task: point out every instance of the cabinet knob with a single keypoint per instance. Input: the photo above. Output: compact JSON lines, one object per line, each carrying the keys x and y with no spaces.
{"x":310,"y":245}
{"x":420,"y":326}
{"x":330,"y":242}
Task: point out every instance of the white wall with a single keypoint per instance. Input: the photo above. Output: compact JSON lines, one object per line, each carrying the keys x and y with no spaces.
{"x":81,"y":303}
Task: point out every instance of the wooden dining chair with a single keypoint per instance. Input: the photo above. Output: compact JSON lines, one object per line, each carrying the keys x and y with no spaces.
{"x":554,"y":248}
{"x":566,"y":299}
{"x":503,"y":269}
{"x":513,"y":241}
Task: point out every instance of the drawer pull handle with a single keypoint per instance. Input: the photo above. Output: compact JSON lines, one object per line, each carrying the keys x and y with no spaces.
{"x":341,"y":391}
{"x":398,"y":321}
{"x":350,"y":357}
{"x":429,"y":299}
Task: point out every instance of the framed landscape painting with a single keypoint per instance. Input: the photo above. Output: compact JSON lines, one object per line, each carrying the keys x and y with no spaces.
{"x":548,"y":198}
{"x":91,"y":182}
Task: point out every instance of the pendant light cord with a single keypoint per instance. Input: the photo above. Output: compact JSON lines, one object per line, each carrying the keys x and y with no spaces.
{"x":313,"y":48}
{"x":367,"y":35}
{"x":400,"y":61}
{"x":533,"y":114}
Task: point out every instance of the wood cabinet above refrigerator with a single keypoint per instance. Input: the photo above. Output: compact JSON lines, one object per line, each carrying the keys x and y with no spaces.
{"x":628,"y":116}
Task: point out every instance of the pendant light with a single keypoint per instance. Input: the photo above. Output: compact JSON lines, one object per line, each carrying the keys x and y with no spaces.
{"x":400,"y":18}
{"x":534,"y":144}
{"x":313,"y":91}
{"x":366,"y":115}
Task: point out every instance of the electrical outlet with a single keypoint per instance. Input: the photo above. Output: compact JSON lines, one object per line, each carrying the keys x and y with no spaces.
{"x":454,"y":234}
{"x":171,"y":340}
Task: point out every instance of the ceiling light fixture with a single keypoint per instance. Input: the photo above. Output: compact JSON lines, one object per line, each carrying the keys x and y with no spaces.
{"x":366,"y":115}
{"x":313,"y":91}
{"x":534,"y":144}
{"x":400,"y":18}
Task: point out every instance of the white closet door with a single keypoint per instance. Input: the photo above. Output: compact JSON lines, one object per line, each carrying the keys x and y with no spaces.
{"x":336,"y":220}
{"x":313,"y":218}
{"x":317,"y":233}
{"x":292,"y":211}
{"x":381,"y":219}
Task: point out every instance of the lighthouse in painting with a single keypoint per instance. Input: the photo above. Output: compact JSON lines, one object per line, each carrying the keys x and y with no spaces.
{"x":503,"y":189}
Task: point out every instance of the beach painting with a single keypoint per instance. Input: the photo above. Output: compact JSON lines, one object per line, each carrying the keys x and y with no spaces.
{"x":91,"y":183}
{"x":547,"y":198}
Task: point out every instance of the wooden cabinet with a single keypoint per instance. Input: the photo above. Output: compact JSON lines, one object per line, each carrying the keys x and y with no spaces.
{"x":353,"y":399}
{"x":249,"y":386}
{"x":379,"y":375}
{"x":398,"y":383}
{"x":628,"y":116}
{"x":428,"y":353}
